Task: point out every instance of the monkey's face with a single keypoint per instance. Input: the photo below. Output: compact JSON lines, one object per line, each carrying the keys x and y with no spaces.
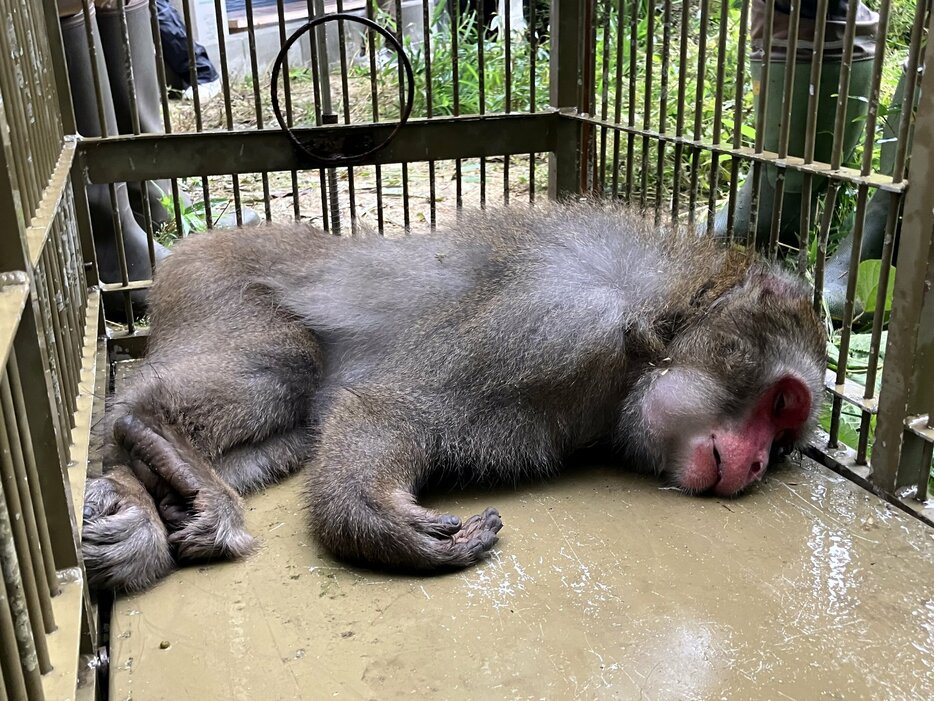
{"x":709,"y":447}
{"x":742,"y":389}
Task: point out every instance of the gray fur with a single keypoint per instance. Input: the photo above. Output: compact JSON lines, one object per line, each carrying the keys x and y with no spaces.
{"x":491,"y":351}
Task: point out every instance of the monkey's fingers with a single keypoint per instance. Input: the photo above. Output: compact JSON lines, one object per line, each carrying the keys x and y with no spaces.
{"x":216,"y":531}
{"x":472,"y":542}
{"x":438,"y":525}
{"x":479,"y":526}
{"x":145,"y":443}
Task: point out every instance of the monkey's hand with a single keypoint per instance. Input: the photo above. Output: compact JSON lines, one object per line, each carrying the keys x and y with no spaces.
{"x":123,"y":541}
{"x":460,"y":544}
{"x":203,"y":514}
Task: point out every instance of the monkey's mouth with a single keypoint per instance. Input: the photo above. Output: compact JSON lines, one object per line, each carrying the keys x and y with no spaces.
{"x":703,"y":469}
{"x":718,"y":460}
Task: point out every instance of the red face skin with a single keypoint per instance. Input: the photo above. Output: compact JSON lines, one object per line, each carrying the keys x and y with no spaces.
{"x":731,"y":458}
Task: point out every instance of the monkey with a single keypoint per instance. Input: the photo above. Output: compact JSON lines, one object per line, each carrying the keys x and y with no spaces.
{"x":492,"y":350}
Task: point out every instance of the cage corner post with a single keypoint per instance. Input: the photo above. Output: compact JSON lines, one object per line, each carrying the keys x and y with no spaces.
{"x":902,"y":451}
{"x":566,"y":71}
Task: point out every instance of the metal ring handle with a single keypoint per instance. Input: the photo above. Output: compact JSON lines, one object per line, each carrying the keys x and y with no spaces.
{"x":342,"y":159}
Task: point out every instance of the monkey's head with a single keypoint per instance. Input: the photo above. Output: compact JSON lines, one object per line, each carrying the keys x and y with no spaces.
{"x":741,"y":385}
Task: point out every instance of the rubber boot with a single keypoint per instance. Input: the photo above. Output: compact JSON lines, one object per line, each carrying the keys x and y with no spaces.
{"x":836,"y":272}
{"x":867,"y":23}
{"x":103,"y":209}
{"x":142,"y":57}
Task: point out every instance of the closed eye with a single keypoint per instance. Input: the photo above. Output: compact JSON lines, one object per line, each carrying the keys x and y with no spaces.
{"x":779,"y":405}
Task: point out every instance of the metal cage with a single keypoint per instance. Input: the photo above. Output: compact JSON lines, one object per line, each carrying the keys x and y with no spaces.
{"x":607,"y":98}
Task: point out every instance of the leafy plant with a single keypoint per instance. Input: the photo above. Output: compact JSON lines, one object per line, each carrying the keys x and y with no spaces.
{"x":193,"y":217}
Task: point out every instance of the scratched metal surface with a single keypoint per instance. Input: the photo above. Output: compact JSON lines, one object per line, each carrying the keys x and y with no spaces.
{"x":603,"y":586}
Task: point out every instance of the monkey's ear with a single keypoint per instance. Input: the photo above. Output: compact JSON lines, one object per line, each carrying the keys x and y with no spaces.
{"x":768,"y":281}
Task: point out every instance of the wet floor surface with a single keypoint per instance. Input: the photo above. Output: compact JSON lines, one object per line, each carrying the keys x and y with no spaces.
{"x":602,"y":586}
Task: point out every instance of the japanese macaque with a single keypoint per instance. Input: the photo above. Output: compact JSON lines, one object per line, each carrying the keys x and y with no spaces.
{"x":492,"y":350}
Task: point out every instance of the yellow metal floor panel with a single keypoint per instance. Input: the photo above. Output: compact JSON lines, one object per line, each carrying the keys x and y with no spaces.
{"x":603,"y":586}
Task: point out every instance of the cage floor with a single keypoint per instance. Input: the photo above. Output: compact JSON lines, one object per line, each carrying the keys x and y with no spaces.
{"x":603,"y":585}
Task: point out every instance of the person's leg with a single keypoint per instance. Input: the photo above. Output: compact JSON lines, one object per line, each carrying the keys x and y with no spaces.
{"x":140,"y":55}
{"x":111,"y":218}
{"x":860,"y":75}
{"x":836,"y":273}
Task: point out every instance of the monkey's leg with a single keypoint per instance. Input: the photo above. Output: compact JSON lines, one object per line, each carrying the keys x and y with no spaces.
{"x":251,"y":466}
{"x":124,"y":541}
{"x":366,"y":467}
{"x":203,"y":514}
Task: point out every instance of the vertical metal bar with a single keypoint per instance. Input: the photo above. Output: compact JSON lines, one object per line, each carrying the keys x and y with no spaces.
{"x":618,"y":90}
{"x":895,"y":204}
{"x":68,"y":308}
{"x":135,"y":124}
{"x":866,"y":169}
{"x":455,"y":68}
{"x":835,"y":161}
{"x":257,"y":101}
{"x":762,"y":120}
{"x":21,"y":135}
{"x":329,"y":193}
{"x":699,"y":105}
{"x":32,"y":472}
{"x":316,"y":82}
{"x":682,"y":102}
{"x":47,"y":433}
{"x":567,"y":36}
{"x":533,"y":57}
{"x":663,"y":110}
{"x":897,"y":454}
{"x":21,"y":503}
{"x":29,"y":581}
{"x":287,"y":89}
{"x":631,"y":103}
{"x":345,"y":93}
{"x":102,"y":123}
{"x":228,"y":111}
{"x":481,"y":68}
{"x":406,"y":215}
{"x":53,"y":33}
{"x":164,"y":98}
{"x":374,"y":99}
{"x":647,"y":103}
{"x":10,"y":664}
{"x":196,"y":97}
{"x":69,"y":374}
{"x":53,"y":334}
{"x":714,"y":183}
{"x":19,"y":652}
{"x":810,"y":133}
{"x":604,"y":96}
{"x":784,"y":126}
{"x":36,"y":140}
{"x":508,"y":86}
{"x":429,"y":107}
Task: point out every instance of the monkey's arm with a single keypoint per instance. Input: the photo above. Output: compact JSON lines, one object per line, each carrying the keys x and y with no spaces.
{"x":370,"y":457}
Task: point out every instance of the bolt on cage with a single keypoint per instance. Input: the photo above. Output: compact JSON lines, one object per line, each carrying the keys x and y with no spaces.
{"x":606,"y":98}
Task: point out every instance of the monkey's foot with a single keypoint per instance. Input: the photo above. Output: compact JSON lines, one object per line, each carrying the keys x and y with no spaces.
{"x":462,"y":545}
{"x":123,"y":540}
{"x":203,"y":514}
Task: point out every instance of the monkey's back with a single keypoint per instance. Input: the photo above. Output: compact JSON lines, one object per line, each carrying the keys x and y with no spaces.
{"x":509,"y":334}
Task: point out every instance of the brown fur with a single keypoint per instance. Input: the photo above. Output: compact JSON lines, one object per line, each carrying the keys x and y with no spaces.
{"x":491,"y":351}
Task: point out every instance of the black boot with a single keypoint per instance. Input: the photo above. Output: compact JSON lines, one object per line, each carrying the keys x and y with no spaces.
{"x":836,"y":272}
{"x":107,"y":215}
{"x":867,"y":23}
{"x":142,"y":57}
